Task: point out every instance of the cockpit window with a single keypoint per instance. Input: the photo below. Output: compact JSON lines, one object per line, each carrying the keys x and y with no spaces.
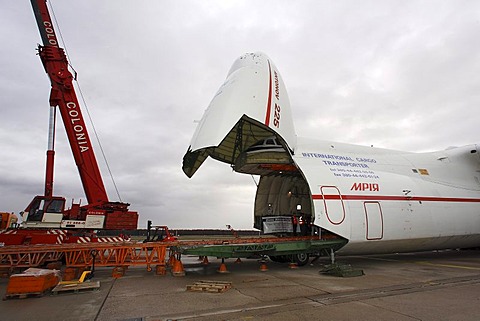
{"x":269,"y":144}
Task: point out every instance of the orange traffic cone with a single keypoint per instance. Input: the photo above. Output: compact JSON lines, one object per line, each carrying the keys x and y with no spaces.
{"x":223,"y":267}
{"x":263,"y":267}
{"x":177,"y":269}
{"x":293,"y":265}
{"x":238,"y":261}
{"x":205,"y":260}
{"x":171,"y":260}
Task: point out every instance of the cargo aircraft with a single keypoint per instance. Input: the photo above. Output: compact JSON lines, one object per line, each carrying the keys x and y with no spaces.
{"x":378,"y":200}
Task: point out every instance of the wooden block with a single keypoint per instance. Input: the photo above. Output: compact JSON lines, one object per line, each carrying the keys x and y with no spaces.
{"x":210,"y":286}
{"x":118,"y":272}
{"x":216,"y":282}
{"x":70,"y":274}
{"x":160,"y":270}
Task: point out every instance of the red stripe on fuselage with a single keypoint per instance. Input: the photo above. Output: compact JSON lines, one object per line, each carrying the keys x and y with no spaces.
{"x":395,"y":198}
{"x":269,"y":101}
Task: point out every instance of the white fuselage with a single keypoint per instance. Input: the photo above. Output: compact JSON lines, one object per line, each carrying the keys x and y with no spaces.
{"x":384,"y":200}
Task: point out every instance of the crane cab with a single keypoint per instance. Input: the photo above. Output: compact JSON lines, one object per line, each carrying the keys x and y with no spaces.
{"x":44,"y":211}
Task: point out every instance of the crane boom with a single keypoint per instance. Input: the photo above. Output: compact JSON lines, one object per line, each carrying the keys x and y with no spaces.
{"x":63,"y":95}
{"x":49,"y":210}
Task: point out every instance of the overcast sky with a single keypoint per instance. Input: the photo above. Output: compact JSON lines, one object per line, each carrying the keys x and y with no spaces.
{"x":394,"y":74}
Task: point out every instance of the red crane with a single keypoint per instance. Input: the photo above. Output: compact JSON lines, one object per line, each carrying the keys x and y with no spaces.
{"x":48,"y":211}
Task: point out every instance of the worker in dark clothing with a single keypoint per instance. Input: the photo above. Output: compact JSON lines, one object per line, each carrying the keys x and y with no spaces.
{"x":308,"y":225}
{"x":294,"y":224}
{"x":303,"y":227}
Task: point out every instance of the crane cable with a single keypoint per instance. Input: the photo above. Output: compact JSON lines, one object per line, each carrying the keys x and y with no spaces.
{"x":83,"y":100}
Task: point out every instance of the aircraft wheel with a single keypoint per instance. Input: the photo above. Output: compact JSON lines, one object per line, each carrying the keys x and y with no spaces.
{"x":301,"y":259}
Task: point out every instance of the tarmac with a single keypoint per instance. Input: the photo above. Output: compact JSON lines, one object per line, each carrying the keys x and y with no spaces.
{"x":443,"y":285}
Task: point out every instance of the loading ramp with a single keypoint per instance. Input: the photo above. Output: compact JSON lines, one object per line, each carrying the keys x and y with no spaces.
{"x":246,"y":248}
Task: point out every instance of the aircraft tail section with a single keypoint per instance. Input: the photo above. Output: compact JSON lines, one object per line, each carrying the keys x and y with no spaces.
{"x":252,"y":105}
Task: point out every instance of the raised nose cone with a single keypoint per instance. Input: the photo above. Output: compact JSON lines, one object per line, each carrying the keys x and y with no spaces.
{"x":251,"y":105}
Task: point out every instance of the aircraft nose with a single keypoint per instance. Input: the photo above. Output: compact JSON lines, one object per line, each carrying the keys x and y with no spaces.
{"x":246,"y":60}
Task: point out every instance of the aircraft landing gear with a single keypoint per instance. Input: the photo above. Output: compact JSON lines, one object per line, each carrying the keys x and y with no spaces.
{"x":301,"y":259}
